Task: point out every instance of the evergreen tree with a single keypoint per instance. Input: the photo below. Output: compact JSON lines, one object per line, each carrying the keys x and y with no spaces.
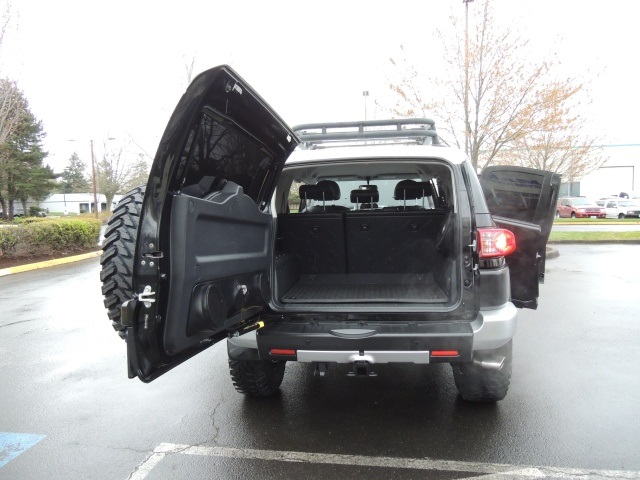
{"x":73,"y":178}
{"x":22,"y":174}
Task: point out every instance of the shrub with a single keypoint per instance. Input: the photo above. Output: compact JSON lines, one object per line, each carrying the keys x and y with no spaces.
{"x":32,"y":220}
{"x":35,"y":211}
{"x":63,"y":234}
{"x":52,"y":236}
{"x":8,"y":240}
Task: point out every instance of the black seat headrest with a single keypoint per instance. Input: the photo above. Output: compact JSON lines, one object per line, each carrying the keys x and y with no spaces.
{"x":411,"y":190}
{"x":323,"y":190}
{"x":366,"y":193}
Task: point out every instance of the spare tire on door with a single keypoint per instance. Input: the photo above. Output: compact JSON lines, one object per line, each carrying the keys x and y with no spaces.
{"x":118,"y":254}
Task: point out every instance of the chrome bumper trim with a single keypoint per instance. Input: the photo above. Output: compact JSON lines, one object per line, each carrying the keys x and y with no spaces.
{"x":420,"y":356}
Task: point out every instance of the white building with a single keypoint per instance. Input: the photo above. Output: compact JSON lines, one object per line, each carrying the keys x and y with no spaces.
{"x":70,"y":203}
{"x":621,"y":173}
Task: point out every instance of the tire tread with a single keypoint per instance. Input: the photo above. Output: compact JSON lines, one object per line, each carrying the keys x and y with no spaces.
{"x":118,"y":253}
{"x":256,"y":378}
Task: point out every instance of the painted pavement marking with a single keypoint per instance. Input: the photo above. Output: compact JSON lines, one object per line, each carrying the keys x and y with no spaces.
{"x":484,"y":471}
{"x":13,"y":444}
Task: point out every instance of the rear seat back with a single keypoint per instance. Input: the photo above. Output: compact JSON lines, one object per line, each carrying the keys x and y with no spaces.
{"x":392,"y":242}
{"x":316,"y":240}
{"x":333,"y":239}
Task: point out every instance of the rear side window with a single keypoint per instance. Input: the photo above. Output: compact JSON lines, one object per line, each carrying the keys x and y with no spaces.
{"x":217,"y":151}
{"x":513,"y":196}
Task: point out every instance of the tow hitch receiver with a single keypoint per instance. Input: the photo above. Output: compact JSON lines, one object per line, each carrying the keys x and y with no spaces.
{"x":362,"y":368}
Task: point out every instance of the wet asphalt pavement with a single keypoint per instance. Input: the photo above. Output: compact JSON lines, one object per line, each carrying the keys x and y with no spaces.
{"x":571,"y":411}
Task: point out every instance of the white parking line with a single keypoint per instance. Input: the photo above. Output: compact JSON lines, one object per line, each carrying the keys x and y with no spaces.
{"x":484,"y":471}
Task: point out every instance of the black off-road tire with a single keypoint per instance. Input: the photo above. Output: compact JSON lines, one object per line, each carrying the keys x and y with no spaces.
{"x":479,"y":384}
{"x":256,"y":378}
{"x":118,"y":252}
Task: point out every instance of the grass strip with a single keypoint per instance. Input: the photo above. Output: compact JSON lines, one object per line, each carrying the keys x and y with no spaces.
{"x":627,"y":237}
{"x":597,"y":221}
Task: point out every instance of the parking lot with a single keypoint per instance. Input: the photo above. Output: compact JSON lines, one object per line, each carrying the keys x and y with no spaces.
{"x":69,"y":411}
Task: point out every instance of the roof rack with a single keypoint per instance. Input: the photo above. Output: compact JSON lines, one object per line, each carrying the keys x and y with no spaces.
{"x":403,"y":130}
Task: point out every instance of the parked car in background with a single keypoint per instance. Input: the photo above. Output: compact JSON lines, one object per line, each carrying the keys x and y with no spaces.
{"x":601,"y":202}
{"x":621,"y":208}
{"x":578,"y":207}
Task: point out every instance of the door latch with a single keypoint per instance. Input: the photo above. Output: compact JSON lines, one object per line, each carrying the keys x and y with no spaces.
{"x":147,"y":296}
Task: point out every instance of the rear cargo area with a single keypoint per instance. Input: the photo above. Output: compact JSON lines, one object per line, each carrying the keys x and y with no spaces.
{"x":353,"y":288}
{"x":362,"y":256}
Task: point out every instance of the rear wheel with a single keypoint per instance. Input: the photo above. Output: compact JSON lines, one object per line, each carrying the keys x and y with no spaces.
{"x":118,"y":255}
{"x":256,"y":378}
{"x":621,"y":215}
{"x":573,"y":214}
{"x":476,"y":383}
{"x":557,"y":214}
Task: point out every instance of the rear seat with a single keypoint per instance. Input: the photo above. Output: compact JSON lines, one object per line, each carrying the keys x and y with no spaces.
{"x":397,"y":240}
{"x":365,"y":198}
{"x":316,"y":236}
{"x":325,"y":191}
{"x":392,"y":241}
{"x":410,"y":190}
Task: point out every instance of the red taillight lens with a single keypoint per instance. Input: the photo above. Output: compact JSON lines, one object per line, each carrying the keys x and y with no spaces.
{"x":282,"y":351}
{"x":495,"y":242}
{"x":445,"y":353}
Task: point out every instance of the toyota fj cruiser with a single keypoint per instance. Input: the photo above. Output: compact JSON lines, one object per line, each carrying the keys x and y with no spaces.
{"x":398,"y":253}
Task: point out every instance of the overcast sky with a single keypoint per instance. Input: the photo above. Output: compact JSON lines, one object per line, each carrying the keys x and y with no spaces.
{"x":93,"y":70}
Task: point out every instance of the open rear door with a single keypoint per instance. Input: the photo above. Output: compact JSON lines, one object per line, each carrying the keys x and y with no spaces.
{"x":204,"y":242}
{"x":523,"y":200}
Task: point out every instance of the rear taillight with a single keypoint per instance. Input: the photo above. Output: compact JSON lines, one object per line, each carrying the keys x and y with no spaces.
{"x":495,"y":242}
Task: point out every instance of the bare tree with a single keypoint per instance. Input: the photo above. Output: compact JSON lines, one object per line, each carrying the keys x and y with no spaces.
{"x":138,"y":174}
{"x":5,"y":18}
{"x":112,"y":173}
{"x":557,"y":142}
{"x":120,"y":170}
{"x":10,"y":108}
{"x":491,"y":98}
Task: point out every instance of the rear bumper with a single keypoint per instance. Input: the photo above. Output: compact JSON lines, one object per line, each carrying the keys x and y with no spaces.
{"x":377,"y":342}
{"x":493,"y":328}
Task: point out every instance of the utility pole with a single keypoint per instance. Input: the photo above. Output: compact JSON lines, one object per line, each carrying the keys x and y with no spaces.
{"x":95,"y":187}
{"x":467,"y":132}
{"x":365,"y":94}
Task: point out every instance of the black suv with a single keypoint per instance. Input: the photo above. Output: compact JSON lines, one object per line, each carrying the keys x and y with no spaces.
{"x":398,"y":252}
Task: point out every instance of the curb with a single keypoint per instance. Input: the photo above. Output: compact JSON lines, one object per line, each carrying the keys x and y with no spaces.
{"x":48,"y":263}
{"x":552,"y":253}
